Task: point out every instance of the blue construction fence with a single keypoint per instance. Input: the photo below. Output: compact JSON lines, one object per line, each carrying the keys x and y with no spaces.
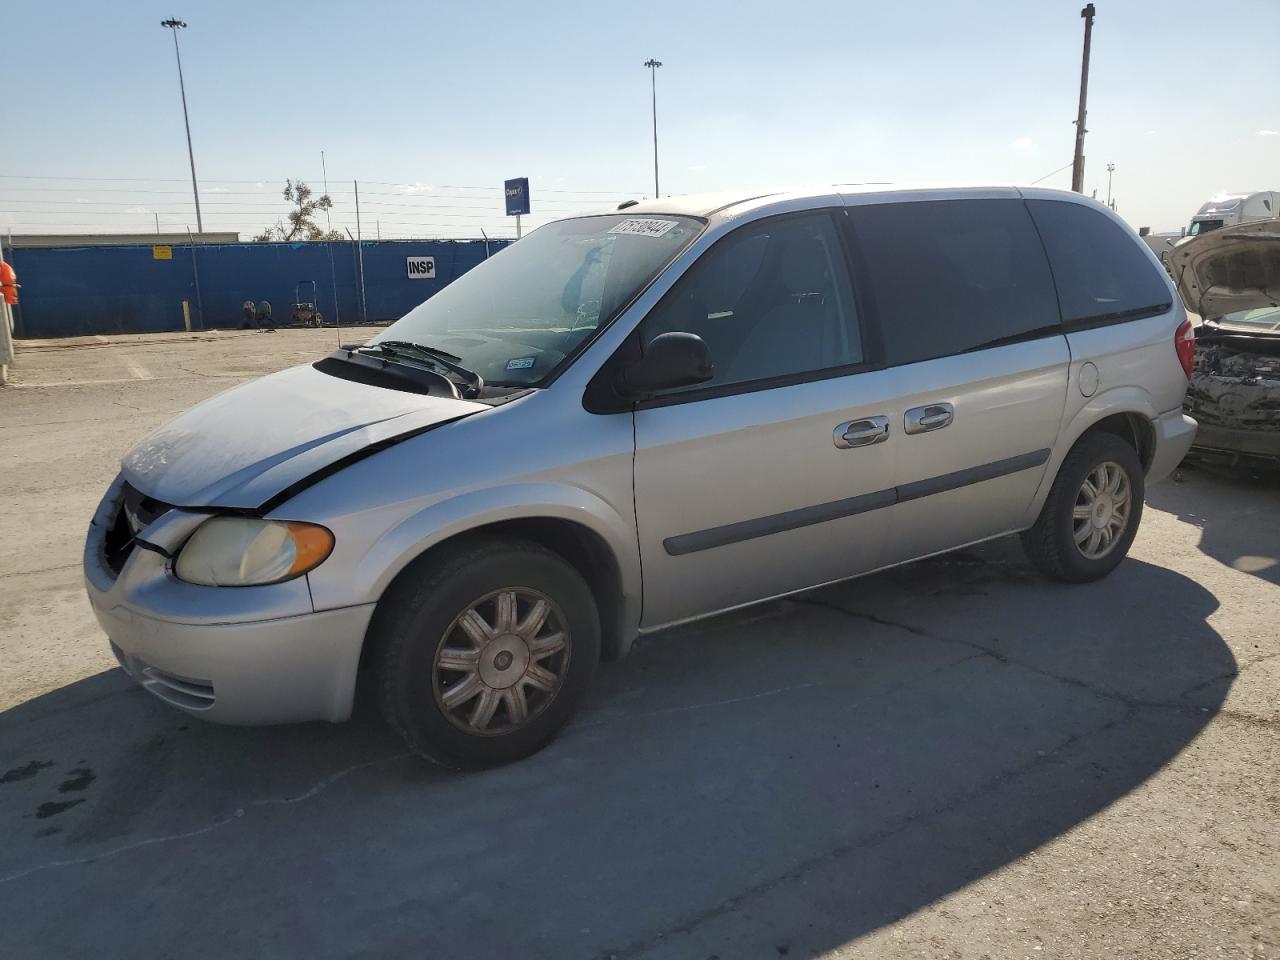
{"x":79,"y":291}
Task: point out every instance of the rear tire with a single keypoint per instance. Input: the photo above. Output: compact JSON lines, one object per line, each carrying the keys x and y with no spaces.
{"x":1092,"y":512}
{"x":484,"y":650}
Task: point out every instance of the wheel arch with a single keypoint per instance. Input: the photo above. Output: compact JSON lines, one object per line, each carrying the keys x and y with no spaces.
{"x":572,"y":523}
{"x":1126,"y":412}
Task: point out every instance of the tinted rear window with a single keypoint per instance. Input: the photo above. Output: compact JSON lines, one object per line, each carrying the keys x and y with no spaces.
{"x":949,"y":276}
{"x":1101,"y":269}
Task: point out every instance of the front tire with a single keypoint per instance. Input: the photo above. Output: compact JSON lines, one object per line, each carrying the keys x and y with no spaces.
{"x":1092,"y":513}
{"x":485,"y":650}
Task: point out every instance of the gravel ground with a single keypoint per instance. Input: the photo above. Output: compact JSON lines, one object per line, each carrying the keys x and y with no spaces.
{"x":953,"y":759}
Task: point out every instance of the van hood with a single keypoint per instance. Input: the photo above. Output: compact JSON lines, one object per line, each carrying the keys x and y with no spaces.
{"x":247,"y":445}
{"x":1230,"y":269}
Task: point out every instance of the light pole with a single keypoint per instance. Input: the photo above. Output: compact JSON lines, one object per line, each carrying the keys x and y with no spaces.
{"x":653,"y":66}
{"x":176,"y":25}
{"x":1111,"y":168}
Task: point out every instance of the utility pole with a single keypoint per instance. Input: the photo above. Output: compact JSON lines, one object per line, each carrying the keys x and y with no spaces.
{"x":1077,"y":166}
{"x":1111,"y":167}
{"x":653,"y":66}
{"x":195,"y":275}
{"x":175,"y":25}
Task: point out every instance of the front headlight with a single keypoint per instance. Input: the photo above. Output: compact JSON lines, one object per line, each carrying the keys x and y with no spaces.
{"x":246,"y":551}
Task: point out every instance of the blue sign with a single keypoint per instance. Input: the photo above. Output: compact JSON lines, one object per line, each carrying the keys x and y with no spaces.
{"x":517,"y":192}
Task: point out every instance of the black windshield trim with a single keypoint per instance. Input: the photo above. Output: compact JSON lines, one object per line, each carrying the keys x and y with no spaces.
{"x":388,"y":374}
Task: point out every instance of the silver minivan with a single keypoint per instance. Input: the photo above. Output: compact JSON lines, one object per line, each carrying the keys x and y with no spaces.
{"x":638,"y":418}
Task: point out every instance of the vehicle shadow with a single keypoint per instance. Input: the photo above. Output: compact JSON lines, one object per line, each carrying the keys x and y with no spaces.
{"x":1238,"y":514}
{"x":779,"y":781}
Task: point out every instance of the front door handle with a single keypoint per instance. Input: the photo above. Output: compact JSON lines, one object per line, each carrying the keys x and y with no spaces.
{"x":861,"y":433}
{"x":933,"y":416}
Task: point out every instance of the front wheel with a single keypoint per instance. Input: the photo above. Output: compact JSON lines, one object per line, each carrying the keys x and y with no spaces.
{"x":1092,"y":512}
{"x":486,"y":649}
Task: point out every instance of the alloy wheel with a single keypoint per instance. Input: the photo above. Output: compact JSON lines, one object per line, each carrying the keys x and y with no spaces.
{"x":501,"y":662}
{"x":1102,"y":510}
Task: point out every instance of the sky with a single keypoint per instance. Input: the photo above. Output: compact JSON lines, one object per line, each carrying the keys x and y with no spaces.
{"x":432,"y":106}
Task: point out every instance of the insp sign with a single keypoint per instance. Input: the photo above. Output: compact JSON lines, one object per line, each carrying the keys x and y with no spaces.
{"x":422,"y":268}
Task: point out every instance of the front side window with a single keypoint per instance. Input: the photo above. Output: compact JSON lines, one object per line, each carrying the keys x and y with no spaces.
{"x":517,"y":316}
{"x":949,"y":276}
{"x":772,"y":299}
{"x":1102,"y":270}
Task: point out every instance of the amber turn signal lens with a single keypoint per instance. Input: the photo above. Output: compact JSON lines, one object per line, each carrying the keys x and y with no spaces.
{"x":311,"y":545}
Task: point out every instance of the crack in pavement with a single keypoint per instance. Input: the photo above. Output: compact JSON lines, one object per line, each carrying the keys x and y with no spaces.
{"x":28,"y":573}
{"x":1241,"y":667}
{"x":317,"y":788}
{"x":1105,"y":693}
{"x":870,"y":617}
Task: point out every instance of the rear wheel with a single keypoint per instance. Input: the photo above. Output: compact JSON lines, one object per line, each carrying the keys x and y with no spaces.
{"x":1092,"y":512}
{"x":485,"y":651}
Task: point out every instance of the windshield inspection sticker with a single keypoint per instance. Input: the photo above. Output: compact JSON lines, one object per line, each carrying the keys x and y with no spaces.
{"x":520,"y":363}
{"x":644,"y":227}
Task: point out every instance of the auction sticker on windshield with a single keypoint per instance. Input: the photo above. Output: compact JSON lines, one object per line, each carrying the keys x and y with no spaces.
{"x":644,"y":227}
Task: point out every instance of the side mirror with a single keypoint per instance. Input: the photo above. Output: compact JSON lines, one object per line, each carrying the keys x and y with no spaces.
{"x":671,"y":360}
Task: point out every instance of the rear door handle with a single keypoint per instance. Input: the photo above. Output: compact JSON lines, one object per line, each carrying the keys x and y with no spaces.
{"x":933,"y":416}
{"x":861,"y":433}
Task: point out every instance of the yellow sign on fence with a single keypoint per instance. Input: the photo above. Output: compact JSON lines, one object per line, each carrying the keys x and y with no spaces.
{"x":161,"y":251}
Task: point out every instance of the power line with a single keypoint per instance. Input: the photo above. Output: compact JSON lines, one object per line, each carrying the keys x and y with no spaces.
{"x":426,"y":188}
{"x":1065,"y":166}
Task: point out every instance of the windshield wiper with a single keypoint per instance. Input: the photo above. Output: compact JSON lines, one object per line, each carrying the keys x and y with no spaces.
{"x":421,"y":348}
{"x":443,"y":358}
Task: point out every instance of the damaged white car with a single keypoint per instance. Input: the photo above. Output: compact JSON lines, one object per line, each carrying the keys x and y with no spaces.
{"x":1231,"y":277}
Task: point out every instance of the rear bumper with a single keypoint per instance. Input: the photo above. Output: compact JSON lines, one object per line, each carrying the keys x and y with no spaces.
{"x":272,"y":671}
{"x":1174,"y":432}
{"x":1264,"y":444}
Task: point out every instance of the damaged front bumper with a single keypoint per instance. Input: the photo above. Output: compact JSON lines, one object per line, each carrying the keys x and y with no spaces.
{"x":1235,"y":395}
{"x":238,"y":655}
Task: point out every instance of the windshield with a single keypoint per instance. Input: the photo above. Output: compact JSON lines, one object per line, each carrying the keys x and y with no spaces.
{"x":1202,"y":226}
{"x":523,"y":312}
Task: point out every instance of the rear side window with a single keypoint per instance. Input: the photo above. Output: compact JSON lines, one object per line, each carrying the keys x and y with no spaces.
{"x":1101,"y":270}
{"x":950,"y":276}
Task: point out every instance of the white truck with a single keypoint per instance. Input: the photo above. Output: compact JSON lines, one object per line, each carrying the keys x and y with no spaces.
{"x":1229,"y":209}
{"x":1222,"y":210}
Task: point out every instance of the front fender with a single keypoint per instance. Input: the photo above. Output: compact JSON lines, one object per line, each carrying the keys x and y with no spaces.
{"x":448,"y":518}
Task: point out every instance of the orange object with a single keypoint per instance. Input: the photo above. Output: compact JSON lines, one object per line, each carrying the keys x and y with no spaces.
{"x":9,"y":283}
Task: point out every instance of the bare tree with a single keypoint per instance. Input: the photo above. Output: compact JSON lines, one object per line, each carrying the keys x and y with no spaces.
{"x":299,"y":223}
